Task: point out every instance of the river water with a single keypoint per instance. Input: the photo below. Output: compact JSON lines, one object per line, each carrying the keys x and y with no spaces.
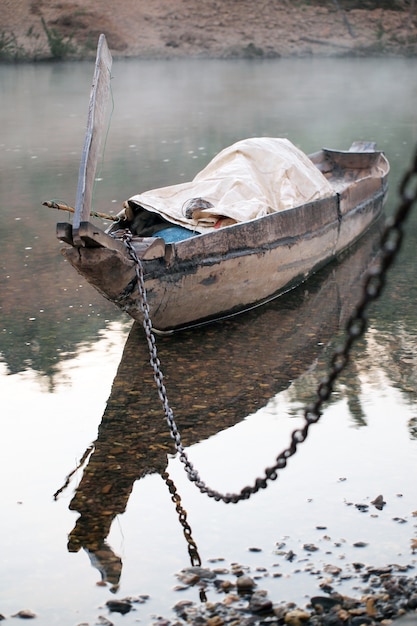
{"x":73,"y":370}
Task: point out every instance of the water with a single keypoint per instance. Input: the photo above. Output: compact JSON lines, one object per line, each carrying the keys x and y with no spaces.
{"x":74,"y":370}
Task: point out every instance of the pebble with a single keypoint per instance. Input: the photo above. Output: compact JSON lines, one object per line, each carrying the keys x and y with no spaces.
{"x":119,"y":606}
{"x":215,"y":621}
{"x":188,"y":580}
{"x":192,"y":575}
{"x":245,"y":583}
{"x":321,"y":603}
{"x":226,"y":585}
{"x":297,"y":617}
{"x":25,"y":614}
{"x":260,"y":603}
{"x":182,"y":606}
{"x":310,"y":547}
{"x":387,"y":596}
{"x":103,"y":621}
{"x":379,"y":502}
{"x":332,"y":569}
{"x":362,"y":507}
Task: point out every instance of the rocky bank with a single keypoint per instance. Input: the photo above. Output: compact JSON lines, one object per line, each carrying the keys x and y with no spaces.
{"x":39,"y":29}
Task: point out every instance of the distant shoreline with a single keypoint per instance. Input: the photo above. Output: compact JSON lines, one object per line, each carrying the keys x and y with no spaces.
{"x":33,"y":30}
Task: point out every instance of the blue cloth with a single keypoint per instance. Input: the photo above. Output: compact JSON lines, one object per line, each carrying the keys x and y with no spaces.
{"x":172,"y":234}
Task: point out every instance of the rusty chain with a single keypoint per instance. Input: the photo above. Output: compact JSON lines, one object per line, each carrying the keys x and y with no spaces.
{"x":182,"y":516}
{"x":355,"y":328}
{"x":186,"y":528}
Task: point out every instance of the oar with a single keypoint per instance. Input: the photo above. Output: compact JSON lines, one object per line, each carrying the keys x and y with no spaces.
{"x":99,"y":95}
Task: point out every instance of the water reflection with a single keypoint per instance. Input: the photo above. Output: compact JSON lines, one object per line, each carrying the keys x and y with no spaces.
{"x":151,"y":144}
{"x":53,"y":329}
{"x":215,"y":376}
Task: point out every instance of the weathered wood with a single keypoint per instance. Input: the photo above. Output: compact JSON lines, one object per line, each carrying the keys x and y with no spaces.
{"x":64,"y":232}
{"x":92,"y":236}
{"x":146,"y":247}
{"x":95,"y":129}
{"x":231,"y":270}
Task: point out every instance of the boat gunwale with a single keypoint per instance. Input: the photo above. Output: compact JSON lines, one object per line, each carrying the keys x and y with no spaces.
{"x":155,"y":268}
{"x":218,"y":236}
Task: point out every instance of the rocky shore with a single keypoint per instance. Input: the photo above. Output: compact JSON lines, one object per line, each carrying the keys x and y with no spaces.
{"x":37,"y":29}
{"x":384,"y":596}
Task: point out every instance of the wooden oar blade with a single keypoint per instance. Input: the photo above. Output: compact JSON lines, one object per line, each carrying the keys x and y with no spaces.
{"x":99,"y":96}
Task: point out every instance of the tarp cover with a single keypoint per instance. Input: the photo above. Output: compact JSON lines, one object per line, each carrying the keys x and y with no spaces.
{"x":249,"y":179}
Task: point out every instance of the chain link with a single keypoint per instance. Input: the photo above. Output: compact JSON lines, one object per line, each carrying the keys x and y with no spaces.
{"x":374,"y":283}
{"x":182,"y":516}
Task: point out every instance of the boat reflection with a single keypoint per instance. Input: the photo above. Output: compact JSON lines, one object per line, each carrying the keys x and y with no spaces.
{"x":215,"y":376}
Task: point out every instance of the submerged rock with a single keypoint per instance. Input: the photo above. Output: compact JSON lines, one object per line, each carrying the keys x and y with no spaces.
{"x":25,"y":614}
{"x":119,"y":606}
{"x":260,"y":603}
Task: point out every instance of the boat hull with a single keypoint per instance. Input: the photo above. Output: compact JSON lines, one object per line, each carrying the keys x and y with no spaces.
{"x":220,"y":274}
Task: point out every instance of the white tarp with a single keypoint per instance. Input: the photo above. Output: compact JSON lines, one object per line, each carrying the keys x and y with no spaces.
{"x":249,"y":179}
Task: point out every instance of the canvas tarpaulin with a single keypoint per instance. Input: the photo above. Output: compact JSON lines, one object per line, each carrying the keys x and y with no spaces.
{"x":247,"y":180}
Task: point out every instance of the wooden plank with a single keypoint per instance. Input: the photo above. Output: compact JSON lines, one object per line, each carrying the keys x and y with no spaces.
{"x":92,"y":236}
{"x":95,"y":130}
{"x":64,"y":232}
{"x":148,"y":248}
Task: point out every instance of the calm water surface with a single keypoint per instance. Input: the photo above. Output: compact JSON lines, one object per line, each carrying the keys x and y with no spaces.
{"x":73,"y":370}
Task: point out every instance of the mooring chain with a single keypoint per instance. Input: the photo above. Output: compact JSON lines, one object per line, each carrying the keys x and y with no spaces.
{"x":182,"y":516}
{"x":355,"y":328}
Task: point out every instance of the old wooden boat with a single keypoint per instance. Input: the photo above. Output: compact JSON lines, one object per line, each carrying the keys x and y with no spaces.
{"x":257,"y":221}
{"x":246,"y":362}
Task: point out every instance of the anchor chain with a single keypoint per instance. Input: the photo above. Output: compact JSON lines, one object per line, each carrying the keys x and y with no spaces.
{"x":355,"y":328}
{"x":182,"y":516}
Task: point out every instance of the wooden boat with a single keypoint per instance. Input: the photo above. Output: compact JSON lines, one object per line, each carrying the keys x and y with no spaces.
{"x":223,"y":271}
{"x":245,"y":362}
